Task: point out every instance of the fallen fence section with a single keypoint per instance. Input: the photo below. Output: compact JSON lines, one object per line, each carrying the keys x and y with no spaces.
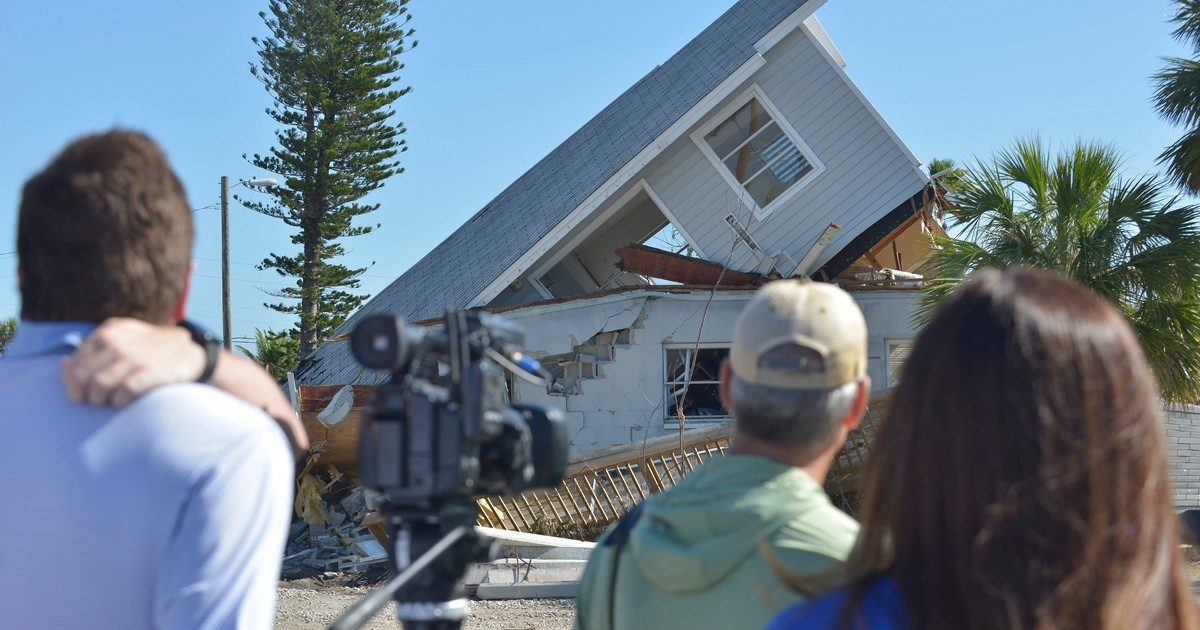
{"x":601,"y":486}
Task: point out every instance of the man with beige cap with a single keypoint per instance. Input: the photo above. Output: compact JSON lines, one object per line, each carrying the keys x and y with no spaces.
{"x":701,"y":554}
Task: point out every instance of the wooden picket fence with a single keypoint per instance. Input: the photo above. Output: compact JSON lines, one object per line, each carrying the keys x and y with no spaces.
{"x":601,"y":486}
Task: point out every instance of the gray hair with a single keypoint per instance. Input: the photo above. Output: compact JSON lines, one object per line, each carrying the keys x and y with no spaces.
{"x":806,"y":419}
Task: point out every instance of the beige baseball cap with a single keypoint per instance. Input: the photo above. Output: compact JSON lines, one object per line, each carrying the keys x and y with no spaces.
{"x":813,"y":315}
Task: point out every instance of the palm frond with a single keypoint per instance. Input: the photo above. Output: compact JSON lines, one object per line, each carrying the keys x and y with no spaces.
{"x":1182,"y":160}
{"x":1169,"y":331}
{"x":1187,"y":20}
{"x":1177,"y":91}
{"x":1071,"y":213}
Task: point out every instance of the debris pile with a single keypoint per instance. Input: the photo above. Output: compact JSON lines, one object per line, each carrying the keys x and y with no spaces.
{"x":329,"y":535}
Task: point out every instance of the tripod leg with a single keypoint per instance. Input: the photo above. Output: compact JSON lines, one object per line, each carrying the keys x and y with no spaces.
{"x":362,"y":612}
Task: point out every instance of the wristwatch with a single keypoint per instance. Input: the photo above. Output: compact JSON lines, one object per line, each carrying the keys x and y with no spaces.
{"x":207,"y":341}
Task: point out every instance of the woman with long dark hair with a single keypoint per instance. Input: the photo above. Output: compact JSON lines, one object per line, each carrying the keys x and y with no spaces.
{"x":1020,"y":479}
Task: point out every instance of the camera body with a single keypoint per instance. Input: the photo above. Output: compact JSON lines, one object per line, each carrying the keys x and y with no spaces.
{"x":438,"y":433}
{"x":442,"y":427}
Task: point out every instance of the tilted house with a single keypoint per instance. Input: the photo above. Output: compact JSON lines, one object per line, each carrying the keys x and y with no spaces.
{"x":750,"y":149}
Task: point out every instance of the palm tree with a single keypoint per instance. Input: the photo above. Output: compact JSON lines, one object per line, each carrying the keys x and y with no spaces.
{"x":1131,"y":241}
{"x":276,"y":352}
{"x":948,"y":176}
{"x":1177,"y":98}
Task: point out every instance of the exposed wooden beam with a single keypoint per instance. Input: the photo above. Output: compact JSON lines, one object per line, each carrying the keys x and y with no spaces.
{"x":657,"y":263}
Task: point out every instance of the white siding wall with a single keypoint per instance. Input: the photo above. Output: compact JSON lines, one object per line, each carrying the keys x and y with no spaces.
{"x":867,"y":173}
{"x":624,"y":404}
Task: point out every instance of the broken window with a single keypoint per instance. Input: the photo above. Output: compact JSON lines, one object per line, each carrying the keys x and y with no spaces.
{"x":670,"y":239}
{"x":897,"y":352}
{"x":762,"y":156}
{"x":692,"y":380}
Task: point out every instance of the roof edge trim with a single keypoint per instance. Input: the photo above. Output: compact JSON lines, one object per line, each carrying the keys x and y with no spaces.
{"x":841,"y":71}
{"x":789,"y":24}
{"x":814,"y":25}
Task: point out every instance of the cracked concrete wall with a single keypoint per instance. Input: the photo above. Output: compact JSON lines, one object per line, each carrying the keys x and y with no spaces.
{"x":624,"y":403}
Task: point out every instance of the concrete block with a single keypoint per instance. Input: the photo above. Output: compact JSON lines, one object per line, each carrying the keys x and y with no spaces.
{"x":355,"y":503}
{"x":556,"y":590}
{"x":335,"y":517}
{"x":538,"y":571}
{"x":369,"y":548}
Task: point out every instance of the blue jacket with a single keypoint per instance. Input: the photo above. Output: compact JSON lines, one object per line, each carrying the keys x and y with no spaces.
{"x":881,"y":608}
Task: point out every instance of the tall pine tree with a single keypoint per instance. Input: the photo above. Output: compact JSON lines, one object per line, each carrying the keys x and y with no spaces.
{"x":331,"y":67}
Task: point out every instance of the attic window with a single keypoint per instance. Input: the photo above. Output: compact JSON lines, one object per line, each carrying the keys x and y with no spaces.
{"x":757,"y":151}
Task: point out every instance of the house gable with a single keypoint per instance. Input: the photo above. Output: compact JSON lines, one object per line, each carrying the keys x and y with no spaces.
{"x":862,"y":179}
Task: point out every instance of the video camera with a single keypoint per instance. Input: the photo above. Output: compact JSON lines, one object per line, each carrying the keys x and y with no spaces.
{"x":441,"y":432}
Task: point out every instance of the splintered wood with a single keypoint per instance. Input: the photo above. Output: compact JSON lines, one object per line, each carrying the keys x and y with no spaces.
{"x":602,"y":486}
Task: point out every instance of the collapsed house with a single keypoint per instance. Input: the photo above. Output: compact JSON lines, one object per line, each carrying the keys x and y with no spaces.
{"x":629,"y":250}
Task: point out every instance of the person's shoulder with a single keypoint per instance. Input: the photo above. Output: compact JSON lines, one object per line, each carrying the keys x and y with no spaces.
{"x":880,"y":608}
{"x":196,"y":399}
{"x":820,"y":529}
{"x":204,"y":417}
{"x":821,"y":612}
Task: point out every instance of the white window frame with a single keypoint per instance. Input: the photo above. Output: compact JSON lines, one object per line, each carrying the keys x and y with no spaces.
{"x":670,"y":421}
{"x":755,"y":92}
{"x":887,"y":357}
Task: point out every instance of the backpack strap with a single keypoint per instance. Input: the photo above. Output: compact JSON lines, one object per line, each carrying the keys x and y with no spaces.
{"x":617,"y":540}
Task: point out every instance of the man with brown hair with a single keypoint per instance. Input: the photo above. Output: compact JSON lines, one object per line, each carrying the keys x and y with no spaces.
{"x":171,"y":511}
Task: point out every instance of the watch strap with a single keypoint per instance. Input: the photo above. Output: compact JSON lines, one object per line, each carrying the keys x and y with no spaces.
{"x":207,"y":341}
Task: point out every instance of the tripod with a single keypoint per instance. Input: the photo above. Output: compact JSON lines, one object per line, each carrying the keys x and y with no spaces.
{"x":444,"y":542}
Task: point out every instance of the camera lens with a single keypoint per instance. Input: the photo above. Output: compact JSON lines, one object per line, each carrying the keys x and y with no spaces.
{"x":380,"y":342}
{"x":548,"y":435}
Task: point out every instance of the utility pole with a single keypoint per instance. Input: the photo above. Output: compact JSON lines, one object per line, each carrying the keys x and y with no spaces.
{"x":226,"y":322}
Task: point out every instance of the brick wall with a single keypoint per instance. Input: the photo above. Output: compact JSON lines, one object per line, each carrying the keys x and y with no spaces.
{"x":1183,"y":450}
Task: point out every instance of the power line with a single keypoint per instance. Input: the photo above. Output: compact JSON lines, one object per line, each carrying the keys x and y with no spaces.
{"x":282,"y":284}
{"x":247,"y":308}
{"x":217,"y":260}
{"x":237,"y":262}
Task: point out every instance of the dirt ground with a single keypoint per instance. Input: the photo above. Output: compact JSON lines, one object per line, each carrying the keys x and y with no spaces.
{"x":310,"y":604}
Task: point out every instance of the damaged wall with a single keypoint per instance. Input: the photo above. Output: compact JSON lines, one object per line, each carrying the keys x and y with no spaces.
{"x":614,"y":393}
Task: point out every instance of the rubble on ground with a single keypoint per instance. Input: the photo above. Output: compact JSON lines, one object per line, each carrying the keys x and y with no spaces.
{"x":329,"y":534}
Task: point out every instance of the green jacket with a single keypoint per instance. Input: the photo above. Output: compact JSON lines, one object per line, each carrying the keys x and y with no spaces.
{"x":692,"y":558}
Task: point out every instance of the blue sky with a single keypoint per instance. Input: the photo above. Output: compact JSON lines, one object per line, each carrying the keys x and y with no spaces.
{"x":498,"y":85}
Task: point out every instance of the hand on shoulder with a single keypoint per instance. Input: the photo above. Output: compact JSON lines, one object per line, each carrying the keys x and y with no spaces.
{"x":124,"y":358}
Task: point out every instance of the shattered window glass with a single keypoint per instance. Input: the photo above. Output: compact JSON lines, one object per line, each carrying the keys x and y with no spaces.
{"x":757,"y":152}
{"x":698,"y":396}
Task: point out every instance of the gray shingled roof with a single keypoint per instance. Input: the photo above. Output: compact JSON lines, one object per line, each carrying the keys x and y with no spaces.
{"x":478,"y":252}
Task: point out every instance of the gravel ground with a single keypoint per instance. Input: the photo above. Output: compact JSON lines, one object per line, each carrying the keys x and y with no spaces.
{"x":308,"y":605}
{"x":311,"y":603}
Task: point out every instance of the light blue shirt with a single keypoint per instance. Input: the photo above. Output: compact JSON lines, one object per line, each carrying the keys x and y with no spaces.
{"x":169,"y":513}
